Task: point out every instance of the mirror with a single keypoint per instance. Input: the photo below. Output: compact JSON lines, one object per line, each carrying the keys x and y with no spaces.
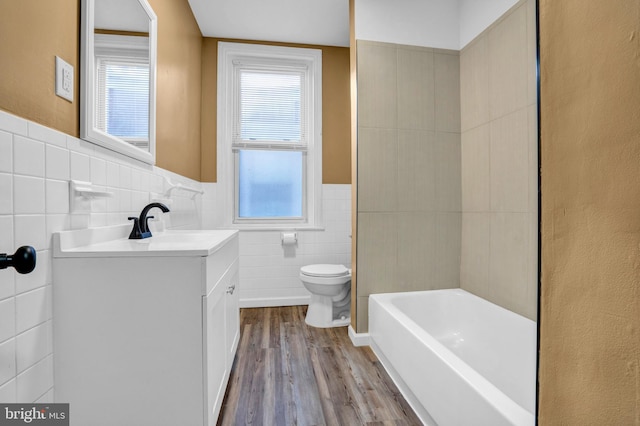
{"x":118,"y":76}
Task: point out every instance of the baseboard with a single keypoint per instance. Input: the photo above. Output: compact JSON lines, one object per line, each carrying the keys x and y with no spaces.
{"x":359,"y":339}
{"x":266,"y":302}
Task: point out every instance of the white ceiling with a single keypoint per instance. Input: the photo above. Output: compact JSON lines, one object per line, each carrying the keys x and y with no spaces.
{"x":444,"y":24}
{"x":322,"y":22}
{"x":123,"y":15}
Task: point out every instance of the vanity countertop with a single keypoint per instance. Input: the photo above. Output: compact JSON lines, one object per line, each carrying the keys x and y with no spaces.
{"x":112,"y":241}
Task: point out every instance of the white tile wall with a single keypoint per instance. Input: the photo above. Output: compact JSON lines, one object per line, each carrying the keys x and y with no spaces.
{"x":6,"y":193}
{"x":7,"y":360}
{"x":269,"y":271}
{"x":8,"y":391}
{"x":6,"y":148}
{"x":57,"y":163}
{"x":57,"y":196}
{"x":28,"y":195}
{"x":30,"y":230}
{"x":36,"y":164}
{"x":47,"y":398}
{"x":80,"y":166}
{"x":33,"y":345}
{"x":28,"y":156}
{"x":33,"y":308}
{"x":34,"y":280}
{"x":7,"y":318}
{"x":36,"y":380}
{"x":13,"y":124}
{"x":39,"y":132}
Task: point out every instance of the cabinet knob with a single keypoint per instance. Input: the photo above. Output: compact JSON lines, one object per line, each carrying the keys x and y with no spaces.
{"x":231,"y":289}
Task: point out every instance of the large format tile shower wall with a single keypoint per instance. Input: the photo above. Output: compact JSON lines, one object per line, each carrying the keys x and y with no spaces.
{"x":409,"y":219}
{"x":36,"y":164}
{"x":499,"y":162}
{"x":447,"y":166}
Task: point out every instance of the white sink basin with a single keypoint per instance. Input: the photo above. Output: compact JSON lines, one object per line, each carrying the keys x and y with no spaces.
{"x":112,"y":241}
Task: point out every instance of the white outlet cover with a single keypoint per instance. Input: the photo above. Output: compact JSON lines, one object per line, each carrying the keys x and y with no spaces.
{"x":64,"y":79}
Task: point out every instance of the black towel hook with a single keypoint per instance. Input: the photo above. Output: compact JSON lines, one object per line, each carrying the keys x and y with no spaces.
{"x":23,"y":260}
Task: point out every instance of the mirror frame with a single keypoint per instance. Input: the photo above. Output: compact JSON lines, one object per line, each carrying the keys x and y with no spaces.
{"x":88,"y":131}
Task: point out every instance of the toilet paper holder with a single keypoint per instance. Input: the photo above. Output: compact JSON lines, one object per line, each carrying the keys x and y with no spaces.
{"x":288,"y":238}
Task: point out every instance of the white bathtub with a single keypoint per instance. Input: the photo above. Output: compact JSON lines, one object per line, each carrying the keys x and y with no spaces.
{"x":458,"y":359}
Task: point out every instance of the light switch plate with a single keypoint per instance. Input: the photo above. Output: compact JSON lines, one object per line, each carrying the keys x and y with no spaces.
{"x":64,"y":79}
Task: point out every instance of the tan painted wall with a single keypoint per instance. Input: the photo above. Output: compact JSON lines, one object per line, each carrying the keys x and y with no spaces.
{"x":178,"y":88}
{"x":590,"y":151}
{"x":209,"y":112}
{"x":336,"y":116}
{"x":336,"y":110}
{"x":32,"y":33}
{"x":184,"y":97}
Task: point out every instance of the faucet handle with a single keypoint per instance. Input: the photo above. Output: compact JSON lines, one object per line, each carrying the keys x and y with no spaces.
{"x":135,"y":232}
{"x":142,"y":220}
{"x":146,"y":224}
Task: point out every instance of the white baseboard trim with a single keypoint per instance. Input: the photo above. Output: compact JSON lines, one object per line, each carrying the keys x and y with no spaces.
{"x":359,"y":339}
{"x":266,"y":302}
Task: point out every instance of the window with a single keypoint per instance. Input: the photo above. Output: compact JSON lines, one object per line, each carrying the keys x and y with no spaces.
{"x":269,"y":139}
{"x":122,"y":87}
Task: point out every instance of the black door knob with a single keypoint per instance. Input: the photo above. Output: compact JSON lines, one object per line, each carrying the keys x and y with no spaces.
{"x":23,"y":260}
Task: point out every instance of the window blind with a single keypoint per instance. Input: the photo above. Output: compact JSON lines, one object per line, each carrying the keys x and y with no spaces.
{"x":123,"y":99}
{"x":271,"y":111}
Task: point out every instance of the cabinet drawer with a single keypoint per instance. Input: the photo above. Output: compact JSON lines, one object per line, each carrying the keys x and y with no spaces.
{"x":219,"y":262}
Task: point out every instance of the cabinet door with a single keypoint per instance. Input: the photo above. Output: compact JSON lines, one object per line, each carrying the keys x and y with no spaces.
{"x":233,"y":315}
{"x":216,"y":350}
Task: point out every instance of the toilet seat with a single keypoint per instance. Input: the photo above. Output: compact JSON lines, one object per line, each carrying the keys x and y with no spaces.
{"x":325,"y":270}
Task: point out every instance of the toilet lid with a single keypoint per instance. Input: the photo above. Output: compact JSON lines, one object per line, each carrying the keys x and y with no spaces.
{"x":324,"y":270}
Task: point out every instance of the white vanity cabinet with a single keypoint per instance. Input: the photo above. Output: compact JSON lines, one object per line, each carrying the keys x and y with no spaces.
{"x":145,"y":331}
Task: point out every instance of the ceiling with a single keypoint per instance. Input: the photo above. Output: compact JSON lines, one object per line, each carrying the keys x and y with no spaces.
{"x":322,"y":22}
{"x":123,"y":15}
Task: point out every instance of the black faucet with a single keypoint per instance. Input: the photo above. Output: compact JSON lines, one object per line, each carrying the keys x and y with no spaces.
{"x":140,"y":226}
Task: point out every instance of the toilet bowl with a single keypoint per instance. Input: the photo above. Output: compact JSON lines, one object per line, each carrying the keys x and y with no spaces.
{"x":330,"y":288}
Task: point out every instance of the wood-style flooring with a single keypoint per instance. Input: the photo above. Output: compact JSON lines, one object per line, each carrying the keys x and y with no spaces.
{"x":288,"y":373}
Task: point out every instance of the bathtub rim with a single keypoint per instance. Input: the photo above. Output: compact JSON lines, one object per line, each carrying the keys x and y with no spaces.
{"x":512,"y":411}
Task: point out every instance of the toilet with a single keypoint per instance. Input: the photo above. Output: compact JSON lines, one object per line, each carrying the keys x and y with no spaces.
{"x":330,"y":288}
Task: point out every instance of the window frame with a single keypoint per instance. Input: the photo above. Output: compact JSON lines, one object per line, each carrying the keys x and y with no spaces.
{"x":231,"y":57}
{"x":102,"y":61}
{"x":140,"y":49}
